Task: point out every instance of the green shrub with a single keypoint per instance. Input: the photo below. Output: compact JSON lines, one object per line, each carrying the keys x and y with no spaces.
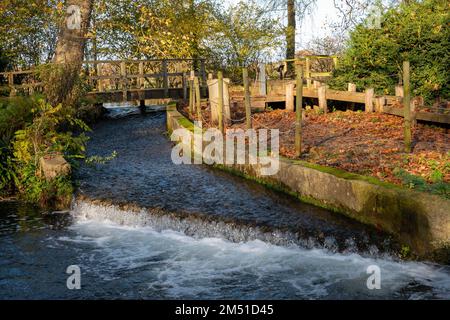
{"x":15,"y":113}
{"x":49,"y":133}
{"x":416,"y":31}
{"x":8,"y":177}
{"x":411,"y":181}
{"x":63,"y":84}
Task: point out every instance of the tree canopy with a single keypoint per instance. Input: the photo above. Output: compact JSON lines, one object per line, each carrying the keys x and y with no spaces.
{"x":416,"y":31}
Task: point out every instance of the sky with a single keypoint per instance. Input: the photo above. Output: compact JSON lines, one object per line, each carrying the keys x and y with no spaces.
{"x":314,"y":25}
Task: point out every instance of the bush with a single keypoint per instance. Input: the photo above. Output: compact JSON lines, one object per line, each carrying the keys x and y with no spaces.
{"x":416,"y":31}
{"x":411,"y":181}
{"x":63,"y":84}
{"x":49,"y":133}
{"x":15,"y":113}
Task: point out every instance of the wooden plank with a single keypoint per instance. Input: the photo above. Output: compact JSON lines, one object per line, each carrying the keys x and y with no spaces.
{"x":6,"y":74}
{"x":290,"y":97}
{"x":247,"y":101}
{"x":321,"y":74}
{"x":357,"y":97}
{"x":298,"y":112}
{"x":424,"y":116}
{"x":368,"y":100}
{"x":165,"y":78}
{"x":406,"y":107}
{"x":322,"y":92}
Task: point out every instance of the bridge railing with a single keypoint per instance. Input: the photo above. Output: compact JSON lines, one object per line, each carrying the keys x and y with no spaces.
{"x":111,"y":76}
{"x":24,"y":81}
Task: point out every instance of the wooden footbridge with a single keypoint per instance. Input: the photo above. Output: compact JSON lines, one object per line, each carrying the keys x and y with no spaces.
{"x":122,"y":80}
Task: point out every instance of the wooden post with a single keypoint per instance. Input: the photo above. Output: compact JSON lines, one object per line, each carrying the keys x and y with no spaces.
{"x":197,"y":99}
{"x":414,"y":106}
{"x":191,"y":95}
{"x":369,"y":100}
{"x":141,"y":79}
{"x":165,"y":79}
{"x":322,"y":94}
{"x":316,"y":84}
{"x":99,"y":81}
{"x":202,"y":83}
{"x":298,"y":112}
{"x":407,"y":107}
{"x":290,"y":96}
{"x":141,"y":86}
{"x":399,"y":91}
{"x":220,"y":102}
{"x":351,"y":87}
{"x":185,"y":86}
{"x":248,"y":111}
{"x":380,"y":102}
{"x":262,"y":79}
{"x":335,"y":62}
{"x":123,"y":74}
{"x":12,"y":92}
{"x":308,"y":72}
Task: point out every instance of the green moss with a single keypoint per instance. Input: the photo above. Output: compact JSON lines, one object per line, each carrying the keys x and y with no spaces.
{"x":279,"y":188}
{"x":186,"y":123}
{"x":343,"y":174}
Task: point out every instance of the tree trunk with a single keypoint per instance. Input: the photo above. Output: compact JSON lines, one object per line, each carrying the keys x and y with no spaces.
{"x":72,"y":35}
{"x":61,"y":82}
{"x":290,"y":37}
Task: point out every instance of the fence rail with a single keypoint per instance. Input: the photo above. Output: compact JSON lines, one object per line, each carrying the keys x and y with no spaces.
{"x":110,"y":76}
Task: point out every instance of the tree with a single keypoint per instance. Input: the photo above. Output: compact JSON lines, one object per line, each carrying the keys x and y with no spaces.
{"x":73,"y":32}
{"x":242,"y":36}
{"x":296,"y":10}
{"x":3,"y":61}
{"x":28,"y":31}
{"x":152,"y":29}
{"x":416,"y":31}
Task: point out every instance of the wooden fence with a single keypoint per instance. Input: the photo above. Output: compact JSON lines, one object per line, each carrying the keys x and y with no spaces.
{"x":130,"y":79}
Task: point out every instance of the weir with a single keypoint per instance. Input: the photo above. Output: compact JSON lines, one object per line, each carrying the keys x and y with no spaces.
{"x":200,"y":201}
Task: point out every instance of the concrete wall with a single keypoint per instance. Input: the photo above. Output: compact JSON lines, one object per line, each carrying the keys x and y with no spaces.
{"x":419,"y":220}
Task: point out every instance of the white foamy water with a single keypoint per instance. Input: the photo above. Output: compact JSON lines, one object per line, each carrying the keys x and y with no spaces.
{"x":170,"y":264}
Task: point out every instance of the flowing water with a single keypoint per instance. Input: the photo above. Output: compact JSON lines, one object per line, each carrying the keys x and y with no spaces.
{"x":144,"y":228}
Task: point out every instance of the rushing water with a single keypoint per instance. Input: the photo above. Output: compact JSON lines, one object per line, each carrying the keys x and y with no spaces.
{"x":193,"y":232}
